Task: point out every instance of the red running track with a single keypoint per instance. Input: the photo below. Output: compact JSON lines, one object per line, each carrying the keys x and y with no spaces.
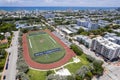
{"x":69,"y":54}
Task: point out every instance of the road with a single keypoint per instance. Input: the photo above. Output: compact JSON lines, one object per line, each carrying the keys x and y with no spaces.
{"x":108,"y":75}
{"x":11,"y":71}
{"x":87,"y":51}
{"x":111,"y":72}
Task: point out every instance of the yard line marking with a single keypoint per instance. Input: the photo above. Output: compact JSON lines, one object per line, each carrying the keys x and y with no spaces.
{"x":52,"y":39}
{"x":30,"y":43}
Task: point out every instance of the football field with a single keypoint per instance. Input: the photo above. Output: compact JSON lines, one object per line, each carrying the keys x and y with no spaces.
{"x":43,"y":48}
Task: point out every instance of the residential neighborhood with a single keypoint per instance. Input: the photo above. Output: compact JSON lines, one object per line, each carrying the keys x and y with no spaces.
{"x":59,"y":43}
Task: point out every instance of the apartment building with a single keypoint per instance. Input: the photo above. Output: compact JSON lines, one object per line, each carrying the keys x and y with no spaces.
{"x":112,"y":37}
{"x":103,"y":23}
{"x":49,"y":15}
{"x":117,"y":21}
{"x":106,"y":48}
{"x":85,"y":40}
{"x":86,"y":23}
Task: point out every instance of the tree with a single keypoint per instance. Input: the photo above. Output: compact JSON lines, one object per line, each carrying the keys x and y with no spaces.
{"x":102,"y":29}
{"x":7,"y":27}
{"x":76,"y":49}
{"x":22,"y":76}
{"x":34,"y":28}
{"x":20,"y":40}
{"x":98,"y":69}
{"x":88,"y":75}
{"x":77,"y":77}
{"x":84,"y":33}
{"x":56,"y":77}
{"x":20,"y":33}
{"x":24,"y":30}
{"x":72,"y":77}
{"x":2,"y":37}
{"x":49,"y":72}
{"x":22,"y":66}
{"x":80,"y":30}
{"x":2,"y":53}
{"x":87,"y":72}
{"x":70,"y":40}
{"x":90,"y":58}
{"x":116,"y":26}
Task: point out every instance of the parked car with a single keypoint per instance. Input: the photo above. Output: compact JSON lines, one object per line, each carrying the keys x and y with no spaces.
{"x":4,"y":77}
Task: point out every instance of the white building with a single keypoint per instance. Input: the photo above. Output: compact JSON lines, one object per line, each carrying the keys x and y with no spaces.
{"x":71,"y":29}
{"x":20,"y":25}
{"x":87,"y":24}
{"x":66,"y":31}
{"x":82,"y":22}
{"x":112,"y":37}
{"x":117,"y":21}
{"x":103,"y":23}
{"x":7,"y":34}
{"x":106,"y":48}
{"x":51,"y":22}
{"x":85,"y":40}
{"x":49,"y":15}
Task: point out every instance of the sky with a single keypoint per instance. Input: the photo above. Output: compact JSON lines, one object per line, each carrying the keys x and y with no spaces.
{"x":80,"y":3}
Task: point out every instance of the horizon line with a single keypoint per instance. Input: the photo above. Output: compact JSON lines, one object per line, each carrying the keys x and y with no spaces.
{"x":63,"y":6}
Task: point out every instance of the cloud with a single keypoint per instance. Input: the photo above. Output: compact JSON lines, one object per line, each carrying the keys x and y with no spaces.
{"x":11,"y":1}
{"x":49,"y":1}
{"x":88,"y":3}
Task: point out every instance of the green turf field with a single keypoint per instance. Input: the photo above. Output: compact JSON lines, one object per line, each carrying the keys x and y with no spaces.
{"x":39,"y":42}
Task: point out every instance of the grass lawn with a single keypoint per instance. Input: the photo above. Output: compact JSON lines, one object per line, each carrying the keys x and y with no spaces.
{"x":37,"y":75}
{"x":39,"y":42}
{"x":2,"y":62}
{"x":41,"y":75}
{"x":3,"y":59}
{"x":3,"y":46}
{"x":75,"y":66}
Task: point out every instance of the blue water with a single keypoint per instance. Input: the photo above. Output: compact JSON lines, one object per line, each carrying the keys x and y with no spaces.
{"x":55,"y":8}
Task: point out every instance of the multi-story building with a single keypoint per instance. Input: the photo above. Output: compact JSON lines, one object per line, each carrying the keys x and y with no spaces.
{"x":103,"y":23}
{"x":86,"y":23}
{"x":85,"y":40}
{"x":66,"y":31}
{"x":112,"y":37}
{"x":106,"y":48}
{"x":51,"y":22}
{"x":82,"y":22}
{"x":49,"y":15}
{"x":117,"y":21}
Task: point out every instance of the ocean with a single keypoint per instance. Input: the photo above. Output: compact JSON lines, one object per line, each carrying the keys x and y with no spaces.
{"x":54,"y":8}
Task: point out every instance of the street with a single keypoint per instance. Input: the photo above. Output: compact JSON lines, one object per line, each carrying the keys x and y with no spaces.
{"x":87,"y":51}
{"x":111,"y":71}
{"x":10,"y":69}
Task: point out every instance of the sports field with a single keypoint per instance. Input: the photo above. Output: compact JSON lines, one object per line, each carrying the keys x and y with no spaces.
{"x":43,"y":48}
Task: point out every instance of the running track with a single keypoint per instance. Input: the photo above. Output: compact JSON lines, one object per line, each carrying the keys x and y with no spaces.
{"x":69,"y":54}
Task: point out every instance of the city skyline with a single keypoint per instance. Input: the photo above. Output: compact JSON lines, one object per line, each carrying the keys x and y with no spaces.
{"x":75,"y":3}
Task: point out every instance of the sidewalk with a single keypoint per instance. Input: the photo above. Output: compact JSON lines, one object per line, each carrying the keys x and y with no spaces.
{"x":87,"y":51}
{"x":10,"y":72}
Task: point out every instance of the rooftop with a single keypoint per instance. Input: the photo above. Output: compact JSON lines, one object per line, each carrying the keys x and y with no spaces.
{"x":67,"y":31}
{"x":3,"y":41}
{"x":81,"y":20}
{"x":107,"y":43}
{"x":86,"y":38}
